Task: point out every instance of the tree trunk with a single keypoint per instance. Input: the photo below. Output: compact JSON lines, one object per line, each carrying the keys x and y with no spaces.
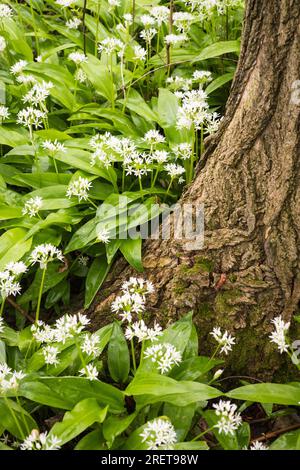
{"x":248,"y":271}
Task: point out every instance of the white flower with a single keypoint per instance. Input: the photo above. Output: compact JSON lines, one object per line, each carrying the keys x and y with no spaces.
{"x":45,"y":253}
{"x":110,"y":45}
{"x":38,"y":94}
{"x":128,"y":304}
{"x":50,"y":354}
{"x":148,"y":34}
{"x":229,"y":420}
{"x":159,"y":433}
{"x":73,"y":23}
{"x":53,"y":147}
{"x":153,"y":137}
{"x":279,"y":335}
{"x":31,"y":117}
{"x":90,"y":345}
{"x":114,"y":3}
{"x":183,"y":150}
{"x":5,"y":11}
{"x":175,"y":38}
{"x":139,"y":53}
{"x":128,"y":18}
{"x":212,"y":123}
{"x":225,"y":340}
{"x":9,"y":379}
{"x":140,"y":330}
{"x":161,"y":14}
{"x":79,"y":188}
{"x":4,"y":113}
{"x":2,"y":44}
{"x":16,"y":268}
{"x":193,"y":111}
{"x":256,"y":445}
{"x":26,"y":79}
{"x":174,"y":170}
{"x":202,"y":76}
{"x":83,"y":260}
{"x":182,"y":20}
{"x":161,"y":156}
{"x":32,"y":206}
{"x":43,"y":333}
{"x":78,"y":57}
{"x":102,"y":235}
{"x":1,"y":325}
{"x":8,"y":285}
{"x":64,"y":3}
{"x":137,"y":286}
{"x":90,"y":372}
{"x":147,"y":20}
{"x":80,"y":76}
{"x":69,"y":326}
{"x":179,"y":83}
{"x":165,"y":356}
{"x":40,"y":441}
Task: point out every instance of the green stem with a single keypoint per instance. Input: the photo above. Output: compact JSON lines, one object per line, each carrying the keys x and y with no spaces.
{"x":23,"y":416}
{"x":133,"y":355}
{"x":37,"y":314}
{"x":2,"y":307}
{"x":93,"y":204}
{"x":35,"y":30}
{"x":202,"y":434}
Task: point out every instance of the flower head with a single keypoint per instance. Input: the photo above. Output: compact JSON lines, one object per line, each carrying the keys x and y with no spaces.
{"x":164,"y":355}
{"x":159,"y":433}
{"x":9,"y":379}
{"x":16,"y":268}
{"x":78,"y":57}
{"x":38,"y":93}
{"x":8,"y":285}
{"x":140,"y":330}
{"x":4,"y":113}
{"x":90,"y":371}
{"x":90,"y":345}
{"x":32,"y":206}
{"x":73,"y":23}
{"x":40,"y":441}
{"x":50,"y":355}
{"x":31,"y":117}
{"x":256,"y":445}
{"x":53,"y":147}
{"x":153,"y":137}
{"x":279,"y":335}
{"x":45,"y":253}
{"x":229,"y":419}
{"x":79,"y":188}
{"x":225,"y":340}
{"x":5,"y":11}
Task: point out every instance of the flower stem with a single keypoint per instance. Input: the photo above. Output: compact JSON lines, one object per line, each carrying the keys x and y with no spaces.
{"x":133,"y":355}
{"x":202,"y":434}
{"x":2,"y":307}
{"x":37,"y":314}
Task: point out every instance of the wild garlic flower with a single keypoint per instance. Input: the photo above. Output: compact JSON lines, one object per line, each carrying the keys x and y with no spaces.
{"x":147,"y":20}
{"x":127,"y":305}
{"x":128,"y":18}
{"x":139,"y":53}
{"x":40,"y":441}
{"x":159,"y":434}
{"x":148,"y":34}
{"x":182,"y":20}
{"x":16,"y":268}
{"x":140,"y":330}
{"x":153,"y":137}
{"x":4,"y":113}
{"x":64,"y":3}
{"x":229,"y":419}
{"x":110,"y":45}
{"x":31,"y":117}
{"x":165,"y":356}
{"x":69,"y":326}
{"x":193,"y":110}
{"x":102,"y":235}
{"x":44,"y":254}
{"x":78,"y":57}
{"x":8,"y":285}
{"x":90,"y":345}
{"x":90,"y":371}
{"x":224,"y":339}
{"x":179,"y":83}
{"x":50,"y":355}
{"x":138,"y":286}
{"x":1,"y":325}
{"x":114,"y":3}
{"x":107,"y":147}
{"x":137,"y":164}
{"x":161,"y":156}
{"x":32,"y":206}
{"x":81,"y":76}
{"x":183,"y":151}
{"x":73,"y":23}
{"x":279,"y":335}
{"x":83,"y":260}
{"x":161,"y":14}
{"x":5,"y":11}
{"x":212,"y":123}
{"x":175,"y":38}
{"x":79,"y":188}
{"x":174,"y":170}
{"x":38,"y":94}
{"x":256,"y":445}
{"x":43,"y":333}
{"x":25,"y":79}
{"x":202,"y":76}
{"x":53,"y":147}
{"x":2,"y":44}
{"x":9,"y":379}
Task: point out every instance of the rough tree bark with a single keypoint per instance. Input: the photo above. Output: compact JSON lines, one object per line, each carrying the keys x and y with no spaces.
{"x":249,"y":180}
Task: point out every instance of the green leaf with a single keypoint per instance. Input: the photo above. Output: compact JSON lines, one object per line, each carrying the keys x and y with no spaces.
{"x":196,"y":445}
{"x":10,"y":411}
{"x":152,"y":388}
{"x":13,"y":246}
{"x":280,"y":394}
{"x":92,"y":441}
{"x":118,"y":355}
{"x":81,"y":417}
{"x":114,"y":426}
{"x":95,"y":278}
{"x":131,"y":249}
{"x":167,"y":107}
{"x":136,"y":103}
{"x":227,"y":441}
{"x":288,"y":441}
{"x":181,"y":418}
{"x":217,"y":49}
{"x":219,"y":82}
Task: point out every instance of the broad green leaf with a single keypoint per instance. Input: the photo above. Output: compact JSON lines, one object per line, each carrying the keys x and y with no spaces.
{"x":96,"y":276}
{"x":92,"y":441}
{"x":118,"y":355}
{"x":280,"y":394}
{"x":10,"y":412}
{"x":217,"y":49}
{"x":81,"y":417}
{"x":136,"y":103}
{"x":167,"y":107}
{"x":131,"y":249}
{"x":219,"y":82}
{"x":288,"y":441}
{"x":116,"y":425}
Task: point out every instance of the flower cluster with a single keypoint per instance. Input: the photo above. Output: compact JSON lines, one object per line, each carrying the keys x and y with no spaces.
{"x":66,"y":327}
{"x":79,"y":188}
{"x":159,"y":434}
{"x":9,"y":379}
{"x":132,"y":300}
{"x":229,"y":419}
{"x":40,"y":441}
{"x":225,"y":340}
{"x":279,"y":335}
{"x":164,"y":355}
{"x":32,"y":206}
{"x":44,"y":254}
{"x":140,"y":330}
{"x":8,"y":284}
